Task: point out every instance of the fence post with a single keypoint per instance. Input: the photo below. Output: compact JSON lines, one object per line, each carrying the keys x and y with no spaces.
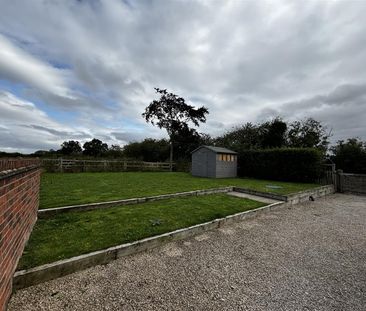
{"x":334,"y":177}
{"x":340,"y":181}
{"x":61,"y":166}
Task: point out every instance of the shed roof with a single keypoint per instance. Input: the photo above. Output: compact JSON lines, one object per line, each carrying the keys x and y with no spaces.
{"x":215,"y":149}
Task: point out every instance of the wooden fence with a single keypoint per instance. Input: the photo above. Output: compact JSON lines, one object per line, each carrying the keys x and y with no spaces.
{"x":343,"y":182}
{"x":328,"y":175}
{"x":77,"y":166}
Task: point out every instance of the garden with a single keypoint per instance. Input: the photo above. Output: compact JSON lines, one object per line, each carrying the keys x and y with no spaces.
{"x":59,"y":189}
{"x":79,"y":232}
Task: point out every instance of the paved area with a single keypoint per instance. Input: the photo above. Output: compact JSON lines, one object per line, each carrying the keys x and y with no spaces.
{"x":308,"y":257}
{"x":252,"y":197}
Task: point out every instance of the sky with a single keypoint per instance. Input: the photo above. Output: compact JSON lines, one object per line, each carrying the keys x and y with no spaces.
{"x":75,"y":70}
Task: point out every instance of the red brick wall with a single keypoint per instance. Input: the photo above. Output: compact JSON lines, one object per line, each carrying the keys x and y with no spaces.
{"x":19,"y":195}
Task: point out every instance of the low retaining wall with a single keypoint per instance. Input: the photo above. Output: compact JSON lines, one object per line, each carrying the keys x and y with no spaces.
{"x":314,"y":193}
{"x":19,"y":194}
{"x":354,"y":183}
{"x":49,"y":212}
{"x":33,"y":276}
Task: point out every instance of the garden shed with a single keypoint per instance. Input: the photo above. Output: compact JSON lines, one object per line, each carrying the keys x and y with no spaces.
{"x":215,"y":162}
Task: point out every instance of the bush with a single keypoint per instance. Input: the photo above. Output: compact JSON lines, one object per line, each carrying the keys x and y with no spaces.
{"x":182,"y":166}
{"x":287,"y":164}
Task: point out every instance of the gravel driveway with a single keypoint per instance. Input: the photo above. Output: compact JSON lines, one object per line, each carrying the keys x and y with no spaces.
{"x":308,"y":257}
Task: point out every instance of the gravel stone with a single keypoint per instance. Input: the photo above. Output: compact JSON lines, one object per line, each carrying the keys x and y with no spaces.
{"x":311,"y":256}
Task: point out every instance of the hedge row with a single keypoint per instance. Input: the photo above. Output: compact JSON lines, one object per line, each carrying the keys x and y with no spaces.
{"x":287,"y":164}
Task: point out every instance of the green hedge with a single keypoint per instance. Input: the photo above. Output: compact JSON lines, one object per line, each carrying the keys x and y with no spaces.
{"x":287,"y":164}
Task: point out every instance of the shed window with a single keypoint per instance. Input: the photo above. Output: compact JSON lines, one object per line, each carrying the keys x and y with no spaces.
{"x":226,"y":157}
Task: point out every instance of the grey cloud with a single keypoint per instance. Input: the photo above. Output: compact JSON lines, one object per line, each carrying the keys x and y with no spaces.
{"x":216,"y":124}
{"x":62,"y":134}
{"x":345,"y":94}
{"x":126,"y":137}
{"x":21,"y":67}
{"x":26,"y":128}
{"x":343,"y":110}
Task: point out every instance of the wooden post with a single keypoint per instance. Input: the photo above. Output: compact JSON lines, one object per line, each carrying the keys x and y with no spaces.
{"x":340,"y":181}
{"x":61,"y":166}
{"x":334,"y":176}
{"x":171,"y":157}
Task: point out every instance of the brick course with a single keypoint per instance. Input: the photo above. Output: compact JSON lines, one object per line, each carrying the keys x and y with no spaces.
{"x":19,"y":197}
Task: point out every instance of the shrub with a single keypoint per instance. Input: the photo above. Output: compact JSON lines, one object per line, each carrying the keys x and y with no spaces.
{"x":182,"y":166}
{"x":287,"y":164}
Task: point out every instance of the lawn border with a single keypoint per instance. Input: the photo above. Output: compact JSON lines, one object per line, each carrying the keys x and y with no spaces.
{"x":49,"y":212}
{"x":47,"y":272}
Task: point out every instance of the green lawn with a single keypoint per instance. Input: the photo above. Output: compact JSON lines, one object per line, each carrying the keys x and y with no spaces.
{"x":71,"y":234}
{"x":78,"y":188}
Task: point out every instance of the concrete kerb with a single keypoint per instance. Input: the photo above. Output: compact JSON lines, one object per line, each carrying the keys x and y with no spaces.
{"x":40,"y":274}
{"x":273,"y":196}
{"x":49,"y":212}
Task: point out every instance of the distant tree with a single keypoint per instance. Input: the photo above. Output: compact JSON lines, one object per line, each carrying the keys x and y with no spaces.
{"x":40,"y":153}
{"x":173,"y":114}
{"x":273,"y":133}
{"x":149,"y":150}
{"x":242,"y":137}
{"x":206,"y":139}
{"x":350,"y":156}
{"x":308,"y":133}
{"x":95,"y":148}
{"x":185,"y":141}
{"x":115,"y":151}
{"x":133,"y":150}
{"x":70,"y":147}
{"x":4,"y":154}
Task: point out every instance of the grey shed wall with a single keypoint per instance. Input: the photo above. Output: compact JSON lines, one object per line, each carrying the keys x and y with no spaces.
{"x":204,"y":163}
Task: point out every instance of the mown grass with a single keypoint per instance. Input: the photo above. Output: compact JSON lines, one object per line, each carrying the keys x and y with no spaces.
{"x":71,"y":234}
{"x":79,"y":188}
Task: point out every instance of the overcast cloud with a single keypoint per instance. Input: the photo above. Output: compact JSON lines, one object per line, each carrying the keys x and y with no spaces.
{"x":82,"y":69}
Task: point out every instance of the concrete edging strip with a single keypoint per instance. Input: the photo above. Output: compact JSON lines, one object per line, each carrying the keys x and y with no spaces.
{"x":47,"y":272}
{"x":45,"y":213}
{"x":267,"y":195}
